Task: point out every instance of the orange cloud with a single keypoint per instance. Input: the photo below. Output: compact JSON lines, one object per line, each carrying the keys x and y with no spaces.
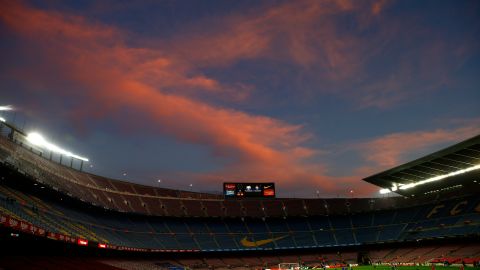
{"x":310,"y":35}
{"x":304,"y":32}
{"x":114,"y":77}
{"x":378,"y":6}
{"x":390,"y":150}
{"x":161,"y":85}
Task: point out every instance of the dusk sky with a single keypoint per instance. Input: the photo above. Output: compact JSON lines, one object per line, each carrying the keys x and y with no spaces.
{"x":312,"y":95}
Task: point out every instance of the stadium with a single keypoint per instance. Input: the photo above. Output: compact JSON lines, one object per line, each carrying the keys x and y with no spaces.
{"x":50,"y":210}
{"x":259,"y":135}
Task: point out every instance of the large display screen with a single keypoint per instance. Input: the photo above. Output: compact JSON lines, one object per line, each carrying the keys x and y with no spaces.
{"x":249,"y":190}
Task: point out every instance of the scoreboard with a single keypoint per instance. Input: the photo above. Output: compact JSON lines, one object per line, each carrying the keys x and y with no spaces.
{"x":249,"y":190}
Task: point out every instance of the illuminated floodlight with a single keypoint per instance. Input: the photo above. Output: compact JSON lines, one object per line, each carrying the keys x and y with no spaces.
{"x":429,"y":180}
{"x":38,"y":140}
{"x":2,"y":119}
{"x":440,"y":177}
{"x":407,"y":186}
{"x":384,"y":191}
{"x":6,"y":108}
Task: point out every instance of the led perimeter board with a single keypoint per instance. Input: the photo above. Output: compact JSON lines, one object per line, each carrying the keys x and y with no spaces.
{"x":249,"y":190}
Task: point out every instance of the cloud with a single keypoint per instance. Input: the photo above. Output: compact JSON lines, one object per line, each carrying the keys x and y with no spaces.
{"x":164,"y":83}
{"x":373,"y":63}
{"x":392,"y":149}
{"x":305,"y":32}
{"x":378,"y":6}
{"x":108,"y":78}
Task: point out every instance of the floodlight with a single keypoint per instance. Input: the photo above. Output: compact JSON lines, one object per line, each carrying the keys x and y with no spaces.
{"x":407,"y":186}
{"x":440,"y":177}
{"x":384,"y":191}
{"x":2,"y":119}
{"x":432,"y":179}
{"x":38,"y":140}
{"x":6,"y":108}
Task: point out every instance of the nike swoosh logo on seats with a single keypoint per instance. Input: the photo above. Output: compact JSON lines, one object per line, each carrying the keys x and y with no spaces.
{"x":247,"y":243}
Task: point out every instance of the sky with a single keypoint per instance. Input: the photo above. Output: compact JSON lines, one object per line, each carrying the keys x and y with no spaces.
{"x":312,"y":95}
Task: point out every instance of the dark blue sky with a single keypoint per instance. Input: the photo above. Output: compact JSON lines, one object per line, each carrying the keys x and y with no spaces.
{"x":313,"y":95}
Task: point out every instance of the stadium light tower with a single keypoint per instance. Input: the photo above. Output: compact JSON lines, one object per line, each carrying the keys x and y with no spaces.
{"x":429,"y":180}
{"x":6,"y":108}
{"x":38,"y":140}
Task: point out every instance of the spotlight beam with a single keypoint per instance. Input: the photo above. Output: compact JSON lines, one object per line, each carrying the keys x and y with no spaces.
{"x":6,"y":108}
{"x":429,"y":180}
{"x":38,"y":140}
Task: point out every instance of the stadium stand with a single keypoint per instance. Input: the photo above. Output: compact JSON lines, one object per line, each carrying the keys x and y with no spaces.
{"x":51,"y":201}
{"x":128,"y":197}
{"x":180,"y":232}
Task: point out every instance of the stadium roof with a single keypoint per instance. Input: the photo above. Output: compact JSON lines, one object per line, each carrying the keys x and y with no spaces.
{"x":455,"y":167}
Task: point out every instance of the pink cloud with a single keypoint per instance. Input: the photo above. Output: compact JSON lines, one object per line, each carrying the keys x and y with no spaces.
{"x":304,"y":32}
{"x":390,"y":150}
{"x":163,"y":84}
{"x":111,"y":77}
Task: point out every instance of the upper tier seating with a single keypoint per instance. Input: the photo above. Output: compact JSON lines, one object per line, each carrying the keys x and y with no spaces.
{"x":129,"y":197}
